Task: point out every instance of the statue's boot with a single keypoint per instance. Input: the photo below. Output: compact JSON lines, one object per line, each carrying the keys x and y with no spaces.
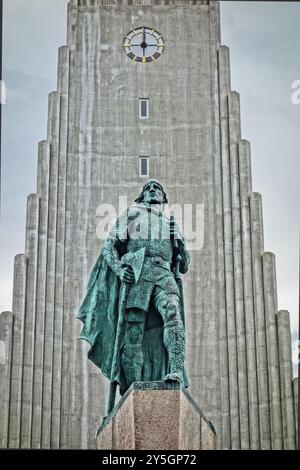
{"x":132,"y":362}
{"x":174,"y":341}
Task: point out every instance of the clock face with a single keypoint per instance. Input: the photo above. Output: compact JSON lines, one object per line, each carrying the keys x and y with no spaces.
{"x":143,"y":44}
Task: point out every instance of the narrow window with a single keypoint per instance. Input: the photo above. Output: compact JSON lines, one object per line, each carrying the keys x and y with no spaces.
{"x":144,"y":166}
{"x":144,"y":108}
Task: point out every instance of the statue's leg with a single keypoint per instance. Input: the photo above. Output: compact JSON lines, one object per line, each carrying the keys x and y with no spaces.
{"x":168,"y":305}
{"x":132,"y":354}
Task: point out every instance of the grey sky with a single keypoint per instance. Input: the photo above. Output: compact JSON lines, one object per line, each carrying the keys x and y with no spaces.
{"x":264,"y":39}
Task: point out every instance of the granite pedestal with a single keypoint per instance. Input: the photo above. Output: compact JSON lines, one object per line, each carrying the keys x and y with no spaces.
{"x":152,"y":416}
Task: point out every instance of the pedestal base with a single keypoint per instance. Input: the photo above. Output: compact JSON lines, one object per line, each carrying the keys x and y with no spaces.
{"x":151,"y":416}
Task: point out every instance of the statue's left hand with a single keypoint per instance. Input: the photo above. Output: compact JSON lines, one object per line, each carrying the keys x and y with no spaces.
{"x":126,"y":274}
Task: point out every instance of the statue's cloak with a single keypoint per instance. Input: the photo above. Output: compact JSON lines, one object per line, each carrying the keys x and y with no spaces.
{"x":99,"y":313}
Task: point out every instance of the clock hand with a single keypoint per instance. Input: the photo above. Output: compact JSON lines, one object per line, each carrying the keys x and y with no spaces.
{"x":144,"y":35}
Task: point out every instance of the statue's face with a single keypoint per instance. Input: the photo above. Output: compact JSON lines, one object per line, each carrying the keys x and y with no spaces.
{"x":153,"y":194}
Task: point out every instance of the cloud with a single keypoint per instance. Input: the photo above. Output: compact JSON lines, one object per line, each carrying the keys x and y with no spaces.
{"x":33,"y":31}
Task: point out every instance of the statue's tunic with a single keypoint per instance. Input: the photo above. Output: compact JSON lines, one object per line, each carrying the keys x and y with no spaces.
{"x":146,"y":227}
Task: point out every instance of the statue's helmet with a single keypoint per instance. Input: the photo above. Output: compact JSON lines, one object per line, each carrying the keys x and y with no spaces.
{"x":140,"y":198}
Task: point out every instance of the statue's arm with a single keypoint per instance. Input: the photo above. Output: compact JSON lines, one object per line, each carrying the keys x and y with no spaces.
{"x":110,"y":252}
{"x":111,"y":255}
{"x":185,"y":256}
{"x":117,"y":236}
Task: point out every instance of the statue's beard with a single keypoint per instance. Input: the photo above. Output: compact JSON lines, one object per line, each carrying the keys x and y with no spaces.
{"x":154,"y":200}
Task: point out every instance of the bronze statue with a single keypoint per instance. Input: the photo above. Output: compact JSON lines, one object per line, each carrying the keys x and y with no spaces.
{"x":133,"y":311}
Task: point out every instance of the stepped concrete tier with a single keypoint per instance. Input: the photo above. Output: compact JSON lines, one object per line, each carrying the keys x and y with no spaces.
{"x":151,"y":416}
{"x":238,"y":344}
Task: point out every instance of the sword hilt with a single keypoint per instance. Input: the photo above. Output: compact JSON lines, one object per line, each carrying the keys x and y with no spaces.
{"x":175,"y":246}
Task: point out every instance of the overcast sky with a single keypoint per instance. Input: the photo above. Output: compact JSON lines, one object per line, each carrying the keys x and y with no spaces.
{"x":264,"y":41}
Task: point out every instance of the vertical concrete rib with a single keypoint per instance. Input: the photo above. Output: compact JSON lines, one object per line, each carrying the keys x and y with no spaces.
{"x":270,"y":296}
{"x":63,"y":78}
{"x":257,"y":242}
{"x":224,"y":86}
{"x":215,"y":211}
{"x":6,"y":329}
{"x":245,"y":190}
{"x":225,"y":437}
{"x":31,"y":251}
{"x":286,"y":379}
{"x":234,"y":138}
{"x":53,"y":137}
{"x":296,"y":403}
{"x":80,"y":369}
{"x":43,"y":192}
{"x":72,"y":24}
{"x":19,"y":298}
{"x":223,"y":427}
{"x":63,"y":85}
{"x":65,"y":438}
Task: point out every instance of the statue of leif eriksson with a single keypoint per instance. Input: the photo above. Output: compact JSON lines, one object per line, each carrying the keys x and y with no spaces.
{"x":133,"y":311}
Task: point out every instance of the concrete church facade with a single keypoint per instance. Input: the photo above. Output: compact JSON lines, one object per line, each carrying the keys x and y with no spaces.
{"x":238,"y":344}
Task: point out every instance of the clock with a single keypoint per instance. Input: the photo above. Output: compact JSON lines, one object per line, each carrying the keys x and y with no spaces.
{"x":143,"y":44}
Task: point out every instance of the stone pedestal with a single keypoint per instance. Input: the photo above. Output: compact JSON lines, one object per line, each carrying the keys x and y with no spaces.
{"x":150,"y":416}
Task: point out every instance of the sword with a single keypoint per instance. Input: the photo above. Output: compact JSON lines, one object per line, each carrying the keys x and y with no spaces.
{"x":116,"y":357}
{"x":177,"y":272}
{"x":175,"y":247}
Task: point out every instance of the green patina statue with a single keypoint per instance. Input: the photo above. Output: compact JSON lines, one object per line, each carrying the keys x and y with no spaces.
{"x":133,"y":311}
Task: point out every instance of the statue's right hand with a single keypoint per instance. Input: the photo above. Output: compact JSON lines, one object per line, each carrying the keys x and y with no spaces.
{"x":126,"y":274}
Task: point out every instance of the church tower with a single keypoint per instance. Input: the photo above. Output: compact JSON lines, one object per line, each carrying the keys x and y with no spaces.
{"x":144,"y":90}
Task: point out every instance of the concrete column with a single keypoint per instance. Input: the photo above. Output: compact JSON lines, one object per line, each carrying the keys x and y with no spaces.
{"x":65,"y":438}
{"x":224,"y":84}
{"x":223,"y":428}
{"x":19,"y":299}
{"x":72,"y":24}
{"x":32,"y":230}
{"x":53,"y":117}
{"x":286,"y":379}
{"x":63,"y":88}
{"x":270,"y":295}
{"x":81,"y":387}
{"x":244,"y":164}
{"x":43,"y":192}
{"x":215,"y":29}
{"x":234,"y":138}
{"x":6,"y":329}
{"x":296,"y":401}
{"x":257,"y":242}
{"x":213,"y":215}
{"x":53,"y":137}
